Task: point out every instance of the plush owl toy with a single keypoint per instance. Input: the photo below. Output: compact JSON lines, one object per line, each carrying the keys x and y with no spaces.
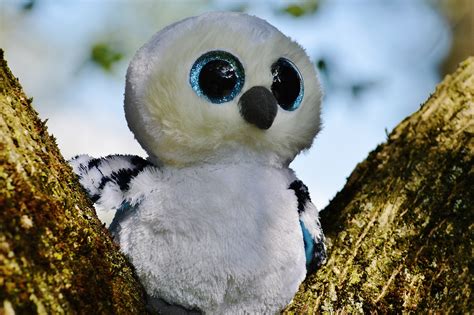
{"x":214,"y":220}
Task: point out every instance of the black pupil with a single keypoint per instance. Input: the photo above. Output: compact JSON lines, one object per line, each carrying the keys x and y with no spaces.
{"x":217,"y":79}
{"x":286,"y":83}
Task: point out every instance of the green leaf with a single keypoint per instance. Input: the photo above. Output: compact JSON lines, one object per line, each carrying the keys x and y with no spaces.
{"x":295,"y":10}
{"x":302,"y":8}
{"x":105,"y":55}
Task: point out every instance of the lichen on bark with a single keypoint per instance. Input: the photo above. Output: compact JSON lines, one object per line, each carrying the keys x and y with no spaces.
{"x":55,"y":255}
{"x":400,"y":232}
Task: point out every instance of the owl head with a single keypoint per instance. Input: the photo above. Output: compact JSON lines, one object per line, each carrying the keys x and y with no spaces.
{"x":222,"y":87}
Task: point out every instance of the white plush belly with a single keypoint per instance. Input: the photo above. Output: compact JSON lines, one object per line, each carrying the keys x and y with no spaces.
{"x":223,"y":242}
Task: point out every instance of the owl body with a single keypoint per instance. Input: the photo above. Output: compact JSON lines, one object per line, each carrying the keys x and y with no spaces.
{"x":221,"y":238}
{"x":214,"y":220}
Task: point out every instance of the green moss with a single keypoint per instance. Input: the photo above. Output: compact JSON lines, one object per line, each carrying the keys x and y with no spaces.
{"x":55,"y":256}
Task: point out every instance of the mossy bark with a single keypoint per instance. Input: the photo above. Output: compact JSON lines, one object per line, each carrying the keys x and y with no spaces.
{"x":55,"y":255}
{"x":400,"y":233}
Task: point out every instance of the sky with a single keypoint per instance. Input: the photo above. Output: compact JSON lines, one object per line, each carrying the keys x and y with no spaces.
{"x":378,"y":61}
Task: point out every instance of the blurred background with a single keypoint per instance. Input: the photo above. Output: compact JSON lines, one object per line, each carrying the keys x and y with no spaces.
{"x":378,"y":60}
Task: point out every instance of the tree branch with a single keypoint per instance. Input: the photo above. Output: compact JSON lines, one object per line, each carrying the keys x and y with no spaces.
{"x":400,"y":233}
{"x":55,"y":255}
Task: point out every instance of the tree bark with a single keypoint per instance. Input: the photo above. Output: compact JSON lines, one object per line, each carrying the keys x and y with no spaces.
{"x":55,"y":255}
{"x":399,"y":234}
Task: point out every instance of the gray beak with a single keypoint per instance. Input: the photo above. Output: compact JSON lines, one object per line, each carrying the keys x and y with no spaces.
{"x":258,"y":106}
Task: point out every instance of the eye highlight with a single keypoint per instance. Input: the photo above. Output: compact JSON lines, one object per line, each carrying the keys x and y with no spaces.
{"x":287,"y":86}
{"x":218,"y":76}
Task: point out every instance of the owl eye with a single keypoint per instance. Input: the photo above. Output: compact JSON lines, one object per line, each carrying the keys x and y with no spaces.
{"x":287,"y":86}
{"x":218,"y":76}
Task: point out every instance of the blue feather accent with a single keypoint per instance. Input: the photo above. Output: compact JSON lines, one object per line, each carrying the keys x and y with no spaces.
{"x":308,"y":244}
{"x":125,"y":209}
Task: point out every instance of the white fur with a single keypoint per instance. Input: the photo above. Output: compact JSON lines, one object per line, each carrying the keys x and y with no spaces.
{"x":111,"y":197}
{"x":177,"y":127}
{"x":216,"y":227}
{"x":221,"y":237}
{"x":89,"y":179}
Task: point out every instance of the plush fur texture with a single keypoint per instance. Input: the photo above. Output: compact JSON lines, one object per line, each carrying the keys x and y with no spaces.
{"x":221,"y":238}
{"x":213,"y":221}
{"x":222,"y":242}
{"x":176,"y":126}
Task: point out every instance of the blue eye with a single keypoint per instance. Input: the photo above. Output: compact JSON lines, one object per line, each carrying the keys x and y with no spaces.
{"x":287,"y":86}
{"x":218,"y":76}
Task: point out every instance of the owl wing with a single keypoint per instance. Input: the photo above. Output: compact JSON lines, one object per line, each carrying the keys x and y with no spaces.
{"x":106,"y":180}
{"x":313,"y":237}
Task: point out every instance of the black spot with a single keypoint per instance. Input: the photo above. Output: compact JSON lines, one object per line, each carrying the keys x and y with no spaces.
{"x":95,"y":197}
{"x":123,"y":176}
{"x":302,"y":194}
{"x":104,"y":181}
{"x":139,"y":162}
{"x":94,"y":163}
{"x":318,"y":259}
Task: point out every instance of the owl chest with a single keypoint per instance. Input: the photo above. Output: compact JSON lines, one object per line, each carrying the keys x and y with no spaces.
{"x":205,"y":236}
{"x":224,"y":202}
{"x":221,"y":212}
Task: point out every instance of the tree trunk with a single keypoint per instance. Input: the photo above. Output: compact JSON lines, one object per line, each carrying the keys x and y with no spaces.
{"x":55,"y":255}
{"x":399,"y":233}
